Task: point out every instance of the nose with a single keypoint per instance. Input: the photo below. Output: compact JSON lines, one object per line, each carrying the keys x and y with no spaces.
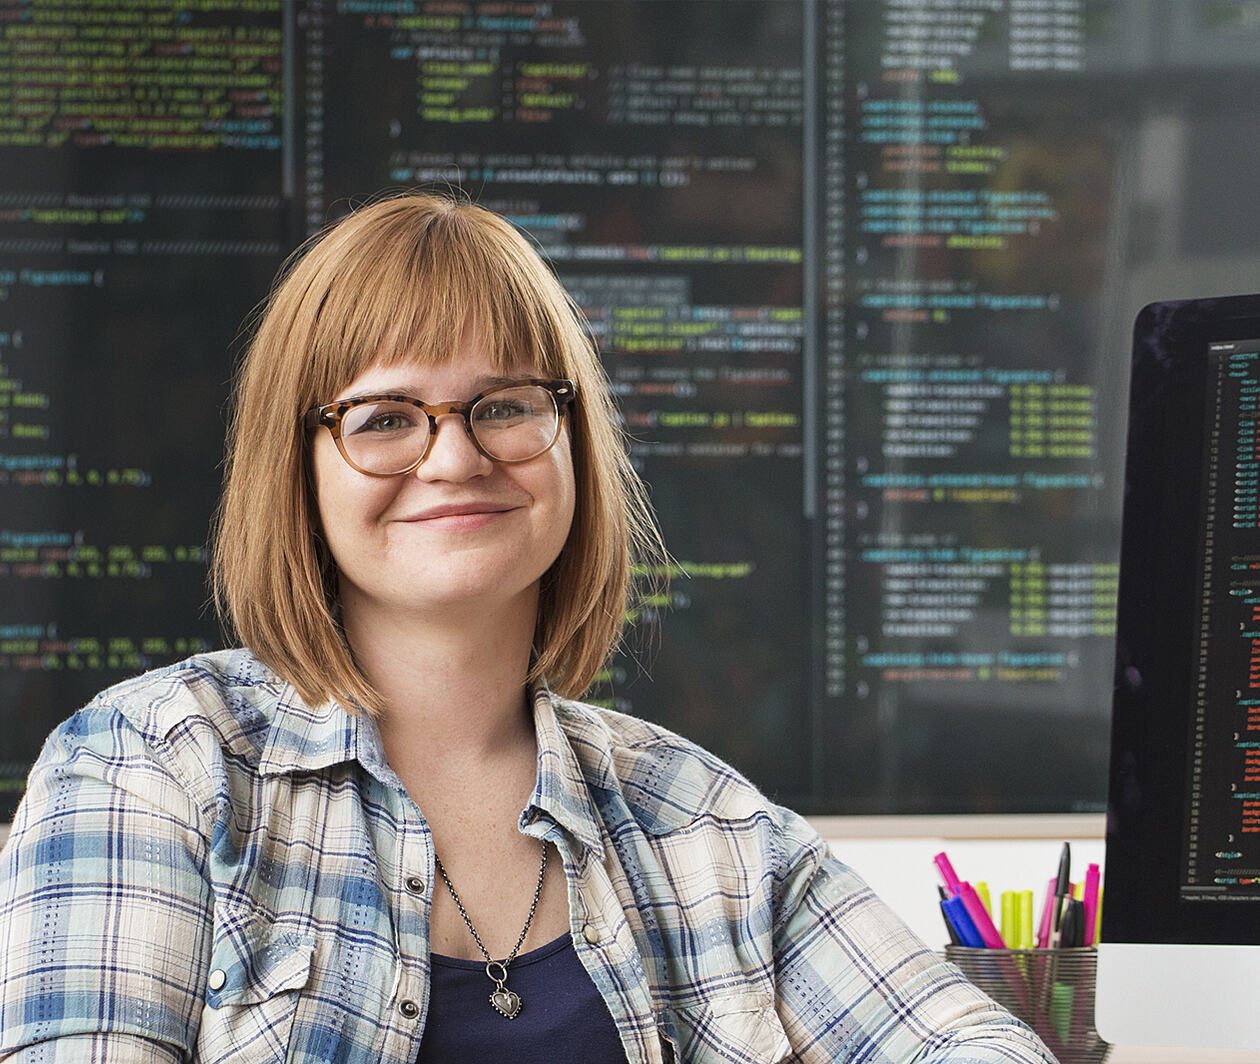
{"x":452,"y":455}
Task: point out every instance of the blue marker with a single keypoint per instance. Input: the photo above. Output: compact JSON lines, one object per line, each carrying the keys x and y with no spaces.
{"x":956,"y":912}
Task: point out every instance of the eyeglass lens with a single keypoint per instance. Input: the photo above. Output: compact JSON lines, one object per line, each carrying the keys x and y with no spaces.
{"x":510,"y":425}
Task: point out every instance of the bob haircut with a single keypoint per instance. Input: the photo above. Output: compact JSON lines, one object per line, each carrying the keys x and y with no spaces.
{"x":399,"y":281}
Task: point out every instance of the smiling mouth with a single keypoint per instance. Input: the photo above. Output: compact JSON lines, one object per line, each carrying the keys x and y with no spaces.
{"x":454,"y":513}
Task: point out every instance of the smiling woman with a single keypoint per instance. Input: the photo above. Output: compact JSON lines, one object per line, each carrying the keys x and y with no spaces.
{"x":384,"y":829}
{"x":441,"y":276}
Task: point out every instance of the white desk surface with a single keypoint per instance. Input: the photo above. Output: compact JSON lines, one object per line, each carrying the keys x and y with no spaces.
{"x":1166,"y":1055}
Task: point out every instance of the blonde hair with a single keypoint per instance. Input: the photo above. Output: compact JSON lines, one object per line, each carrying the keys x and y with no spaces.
{"x":397,"y":281}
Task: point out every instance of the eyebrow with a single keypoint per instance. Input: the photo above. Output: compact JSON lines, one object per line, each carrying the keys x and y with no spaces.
{"x":479,"y":386}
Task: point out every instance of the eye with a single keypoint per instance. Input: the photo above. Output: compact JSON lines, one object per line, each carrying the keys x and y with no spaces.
{"x":379,"y":419}
{"x":500,"y":409}
{"x":392,"y":421}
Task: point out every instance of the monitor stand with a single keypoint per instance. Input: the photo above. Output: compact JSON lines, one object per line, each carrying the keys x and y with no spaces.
{"x":1161,"y":994}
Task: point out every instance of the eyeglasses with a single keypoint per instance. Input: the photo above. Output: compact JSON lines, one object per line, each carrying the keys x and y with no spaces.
{"x":390,"y":434}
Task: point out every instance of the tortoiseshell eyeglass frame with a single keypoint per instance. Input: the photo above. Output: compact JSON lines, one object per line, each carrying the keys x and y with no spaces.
{"x":330,"y":415}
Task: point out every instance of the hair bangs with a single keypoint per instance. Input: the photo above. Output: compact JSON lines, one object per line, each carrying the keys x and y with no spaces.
{"x":432,"y":286}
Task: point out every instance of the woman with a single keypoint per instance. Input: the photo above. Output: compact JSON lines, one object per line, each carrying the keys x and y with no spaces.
{"x":384,"y":832}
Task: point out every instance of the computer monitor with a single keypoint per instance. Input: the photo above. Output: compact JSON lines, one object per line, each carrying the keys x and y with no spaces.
{"x":1180,"y":943}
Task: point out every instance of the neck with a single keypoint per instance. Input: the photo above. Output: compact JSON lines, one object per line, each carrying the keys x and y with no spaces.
{"x":454,"y":687}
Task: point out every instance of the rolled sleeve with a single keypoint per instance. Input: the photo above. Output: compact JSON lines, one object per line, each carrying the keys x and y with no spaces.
{"x":105,"y":905}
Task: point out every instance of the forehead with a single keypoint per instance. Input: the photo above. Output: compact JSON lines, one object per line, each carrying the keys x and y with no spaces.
{"x":471,"y":372}
{"x":428,"y":327}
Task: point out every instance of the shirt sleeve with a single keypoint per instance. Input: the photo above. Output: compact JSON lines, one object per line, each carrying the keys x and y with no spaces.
{"x":851,"y":975}
{"x":105,"y":904}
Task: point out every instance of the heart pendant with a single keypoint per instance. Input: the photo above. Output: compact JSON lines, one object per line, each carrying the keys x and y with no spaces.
{"x":506,"y":1003}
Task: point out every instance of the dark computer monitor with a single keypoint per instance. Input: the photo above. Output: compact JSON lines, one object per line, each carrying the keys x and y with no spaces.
{"x":1180,"y":941}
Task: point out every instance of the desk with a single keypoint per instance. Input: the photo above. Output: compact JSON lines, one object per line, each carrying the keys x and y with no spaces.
{"x":1166,"y":1055}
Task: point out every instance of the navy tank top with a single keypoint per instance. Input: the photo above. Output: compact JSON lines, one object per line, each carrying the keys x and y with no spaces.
{"x":563,"y":1020}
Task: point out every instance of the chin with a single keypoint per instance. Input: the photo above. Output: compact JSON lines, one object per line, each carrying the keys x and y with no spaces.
{"x":427,"y":598}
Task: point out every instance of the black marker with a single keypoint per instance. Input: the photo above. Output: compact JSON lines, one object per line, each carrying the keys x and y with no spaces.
{"x":1062,"y":888}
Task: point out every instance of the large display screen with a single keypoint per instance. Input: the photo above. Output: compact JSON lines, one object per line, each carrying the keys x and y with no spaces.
{"x":861,"y":272}
{"x":1183,"y":814}
{"x":1222,"y":802}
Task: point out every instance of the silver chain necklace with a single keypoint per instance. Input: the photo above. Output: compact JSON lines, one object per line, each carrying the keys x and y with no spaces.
{"x":505,"y":1001}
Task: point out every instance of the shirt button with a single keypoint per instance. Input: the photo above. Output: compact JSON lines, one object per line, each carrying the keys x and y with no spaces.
{"x":414,"y":885}
{"x":409,"y":1009}
{"x":591,"y":934}
{"x":218,"y":979}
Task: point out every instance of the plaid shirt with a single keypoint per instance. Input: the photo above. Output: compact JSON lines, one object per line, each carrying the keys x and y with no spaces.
{"x":206,"y":868}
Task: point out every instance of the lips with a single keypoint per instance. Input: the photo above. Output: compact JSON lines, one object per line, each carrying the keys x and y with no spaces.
{"x":459,"y":516}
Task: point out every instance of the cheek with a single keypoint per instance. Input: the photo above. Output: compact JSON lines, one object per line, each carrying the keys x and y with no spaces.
{"x":565,"y":512}
{"x":345,"y":501}
{"x":551,"y":484}
{"x":560,"y":527}
{"x":566,"y":485}
{"x":325,"y":482}
{"x":562,"y":519}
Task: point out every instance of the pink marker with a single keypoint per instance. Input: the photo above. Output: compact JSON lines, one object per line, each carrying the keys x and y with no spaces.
{"x":1047,"y":916}
{"x":947,"y":873}
{"x":1091,"y":902}
{"x":980,"y":916}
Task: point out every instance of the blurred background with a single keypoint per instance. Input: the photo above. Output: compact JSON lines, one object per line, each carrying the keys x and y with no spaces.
{"x":862,"y":272}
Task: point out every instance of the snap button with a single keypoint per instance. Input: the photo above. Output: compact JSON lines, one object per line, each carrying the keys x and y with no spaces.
{"x":218,"y":979}
{"x":409,"y":1009}
{"x":591,"y":934}
{"x":414,"y":885}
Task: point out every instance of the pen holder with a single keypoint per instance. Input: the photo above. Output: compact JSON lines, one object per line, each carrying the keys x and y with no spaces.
{"x":1051,"y":990}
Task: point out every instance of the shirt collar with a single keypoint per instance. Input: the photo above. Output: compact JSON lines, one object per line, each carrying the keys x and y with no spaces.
{"x":574,"y":753}
{"x":303,"y":738}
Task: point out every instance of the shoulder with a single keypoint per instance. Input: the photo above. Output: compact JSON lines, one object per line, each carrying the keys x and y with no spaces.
{"x":229,"y":690}
{"x":669,"y":782}
{"x":187,"y":717}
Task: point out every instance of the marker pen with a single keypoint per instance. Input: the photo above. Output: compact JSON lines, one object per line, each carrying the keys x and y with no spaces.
{"x":947,"y":872}
{"x":979,"y":916}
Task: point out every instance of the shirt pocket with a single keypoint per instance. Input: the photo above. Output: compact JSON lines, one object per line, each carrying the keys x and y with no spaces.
{"x":254,"y":981}
{"x":741,"y":1027}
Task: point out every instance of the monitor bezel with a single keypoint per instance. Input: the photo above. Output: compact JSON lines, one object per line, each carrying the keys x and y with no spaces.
{"x":1156,"y":619}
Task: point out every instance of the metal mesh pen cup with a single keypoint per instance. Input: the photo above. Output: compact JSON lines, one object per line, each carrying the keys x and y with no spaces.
{"x":1051,"y":990}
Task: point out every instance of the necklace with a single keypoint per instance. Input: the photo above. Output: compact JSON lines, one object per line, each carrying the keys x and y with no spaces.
{"x":505,"y":1002}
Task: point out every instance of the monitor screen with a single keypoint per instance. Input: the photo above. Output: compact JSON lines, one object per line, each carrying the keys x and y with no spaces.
{"x":1182,"y":892}
{"x":861,"y":273}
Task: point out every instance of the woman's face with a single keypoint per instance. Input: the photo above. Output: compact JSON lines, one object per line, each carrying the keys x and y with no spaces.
{"x":459,"y":533}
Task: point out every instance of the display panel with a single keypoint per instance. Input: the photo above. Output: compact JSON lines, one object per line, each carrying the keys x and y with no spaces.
{"x":1182,"y":857}
{"x":861,"y":274}
{"x":1221,"y":833}
{"x":1181,"y":924}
